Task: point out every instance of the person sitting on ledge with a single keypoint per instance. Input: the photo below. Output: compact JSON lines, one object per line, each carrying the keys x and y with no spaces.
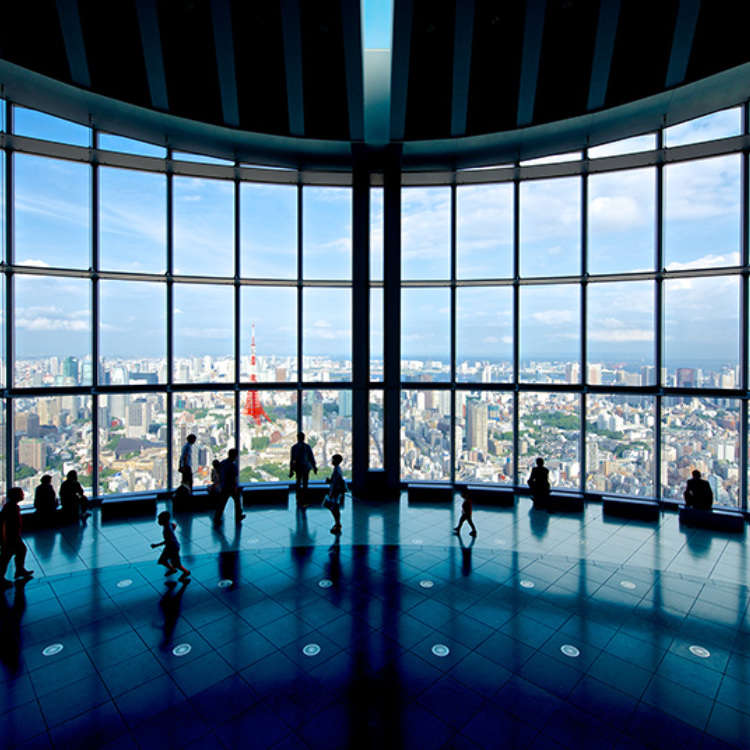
{"x":74,"y":503}
{"x":45,"y":500}
{"x":698,"y":493}
{"x":539,"y":482}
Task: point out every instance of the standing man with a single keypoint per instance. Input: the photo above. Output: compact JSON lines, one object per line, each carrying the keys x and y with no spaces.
{"x":229,"y":476}
{"x":301,"y":461}
{"x":13,"y":546}
{"x":186,"y":462}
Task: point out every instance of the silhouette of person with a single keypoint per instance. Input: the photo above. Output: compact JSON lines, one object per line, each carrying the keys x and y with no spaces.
{"x":466,"y":555}
{"x":466,"y":511}
{"x":186,"y":462}
{"x":170,"y":556}
{"x":73,"y":501}
{"x":336,"y":493}
{"x":214,"y":489}
{"x":10,"y":629}
{"x":301,"y":460}
{"x":229,"y":475}
{"x":170,"y":605}
{"x":45,"y":501}
{"x":698,"y":493}
{"x":539,"y":481}
{"x":13,"y":546}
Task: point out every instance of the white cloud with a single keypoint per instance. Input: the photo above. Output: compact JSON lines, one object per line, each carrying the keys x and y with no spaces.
{"x":34,"y":262}
{"x":618,"y":334}
{"x":51,"y":324}
{"x":706,"y":261}
{"x":554,"y":317}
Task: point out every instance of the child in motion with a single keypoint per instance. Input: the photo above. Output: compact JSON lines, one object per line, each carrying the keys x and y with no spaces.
{"x":170,"y":557}
{"x":336,"y":493}
{"x":466,"y":510}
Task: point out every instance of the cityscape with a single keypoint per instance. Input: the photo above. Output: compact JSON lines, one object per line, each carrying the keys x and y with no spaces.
{"x":54,"y":434}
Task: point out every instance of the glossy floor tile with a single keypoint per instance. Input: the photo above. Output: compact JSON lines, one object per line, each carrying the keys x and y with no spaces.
{"x":544,"y":632}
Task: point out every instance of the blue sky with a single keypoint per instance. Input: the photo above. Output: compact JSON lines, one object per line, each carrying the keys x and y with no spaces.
{"x":53,"y":210}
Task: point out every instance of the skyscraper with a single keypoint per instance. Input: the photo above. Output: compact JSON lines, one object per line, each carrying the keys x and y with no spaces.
{"x":476,"y":425}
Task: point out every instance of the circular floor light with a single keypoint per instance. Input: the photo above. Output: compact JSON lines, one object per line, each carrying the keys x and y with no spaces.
{"x":570,"y":651}
{"x":52,"y":649}
{"x":182,"y":649}
{"x":426,"y":583}
{"x":225,"y":583}
{"x":440,"y":649}
{"x":417,"y":541}
{"x":311,"y":649}
{"x":325,"y":583}
{"x":527,"y":584}
{"x":124,"y":583}
{"x":699,"y":651}
{"x":629,"y":585}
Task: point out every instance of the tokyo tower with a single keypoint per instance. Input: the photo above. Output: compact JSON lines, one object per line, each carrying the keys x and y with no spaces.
{"x":253,"y":408}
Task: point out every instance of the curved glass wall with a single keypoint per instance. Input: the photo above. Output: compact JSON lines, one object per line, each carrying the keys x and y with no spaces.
{"x":587,"y":311}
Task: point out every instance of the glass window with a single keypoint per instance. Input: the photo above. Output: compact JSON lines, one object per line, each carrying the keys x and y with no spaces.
{"x":268,"y":231}
{"x":484,"y":231}
{"x":722,"y":124}
{"x":552,"y":159}
{"x":203,"y":227}
{"x":132,"y":442}
{"x":550,"y":227}
{"x":620,"y":333}
{"x":52,"y":435}
{"x":484,"y":437}
{"x":626,"y":146}
{"x":109,"y":142}
{"x":550,"y":333}
{"x":203,"y":333}
{"x":200,"y":158}
{"x":484,"y":334}
{"x":327,"y":423}
{"x":52,"y":331}
{"x":269,"y":316}
{"x":132,"y":220}
{"x":326,"y":233}
{"x":132,"y":332}
{"x":3,"y":428}
{"x":376,"y":234}
{"x":376,"y":334}
{"x":425,"y":334}
{"x":425,"y":435}
{"x":268,"y":429}
{"x":327,"y":334}
{"x":2,"y":203}
{"x":702,"y":213}
{"x":549,"y":428}
{"x":426,"y":233}
{"x":620,"y":444}
{"x":210,"y":417}
{"x":376,"y":430}
{"x":622,"y":221}
{"x":695,"y":311}
{"x":702,"y":434}
{"x":35,"y":124}
{"x":52,"y":212}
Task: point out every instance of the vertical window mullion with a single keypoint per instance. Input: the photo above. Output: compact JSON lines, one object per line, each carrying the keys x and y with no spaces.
{"x":9,"y":306}
{"x":452,"y":436}
{"x":237,"y":309}
{"x":170,"y":316}
{"x":300,"y":351}
{"x":94,"y":317}
{"x":745,"y":309}
{"x":584,"y":319}
{"x":516,"y":318}
{"x":659,"y":310}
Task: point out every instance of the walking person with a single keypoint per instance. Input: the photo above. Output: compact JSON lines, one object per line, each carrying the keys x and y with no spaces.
{"x":336,"y":493}
{"x":10,"y":536}
{"x":301,"y":460}
{"x":214,"y":489}
{"x":229,"y":475}
{"x":186,"y":462}
{"x":73,"y":501}
{"x":170,"y":556}
{"x":466,"y":512}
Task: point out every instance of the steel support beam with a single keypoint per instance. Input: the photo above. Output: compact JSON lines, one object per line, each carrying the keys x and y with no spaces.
{"x":221,"y":15}
{"x":355,"y":95}
{"x":403,"y":14}
{"x":148,"y":21}
{"x":462,"y":43}
{"x":292,"y":34}
{"x":75,"y":49}
{"x":682,"y":42}
{"x":532,"y":51}
{"x":606,"y":31}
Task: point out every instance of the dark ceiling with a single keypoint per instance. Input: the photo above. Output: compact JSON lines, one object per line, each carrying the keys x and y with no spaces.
{"x":295,"y":67}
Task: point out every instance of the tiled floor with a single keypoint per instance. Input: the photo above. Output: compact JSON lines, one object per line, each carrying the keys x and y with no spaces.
{"x":551,"y":632}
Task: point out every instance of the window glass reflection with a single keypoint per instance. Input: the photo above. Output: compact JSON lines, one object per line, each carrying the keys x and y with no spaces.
{"x":549,"y":427}
{"x":484,"y":437}
{"x":626,"y":146}
{"x":723,"y":124}
{"x":34,"y":124}
{"x":132,"y":442}
{"x":425,"y":435}
{"x":550,"y":227}
{"x":376,"y":234}
{"x":52,"y":212}
{"x":110,"y":142}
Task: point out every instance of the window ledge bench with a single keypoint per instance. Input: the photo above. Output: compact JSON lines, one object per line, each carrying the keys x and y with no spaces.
{"x":132,"y":505}
{"x":265,"y":493}
{"x":627,"y":507}
{"x":425,"y":492}
{"x":717,"y":519}
{"x":490,"y":494}
{"x":563,"y":502}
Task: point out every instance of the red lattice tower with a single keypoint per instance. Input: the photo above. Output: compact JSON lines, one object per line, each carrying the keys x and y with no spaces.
{"x":253,"y":408}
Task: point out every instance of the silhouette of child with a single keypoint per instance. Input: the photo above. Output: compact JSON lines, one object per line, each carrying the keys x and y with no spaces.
{"x":336,"y":493}
{"x":466,"y":511}
{"x":12,"y":544}
{"x":170,"y":557}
